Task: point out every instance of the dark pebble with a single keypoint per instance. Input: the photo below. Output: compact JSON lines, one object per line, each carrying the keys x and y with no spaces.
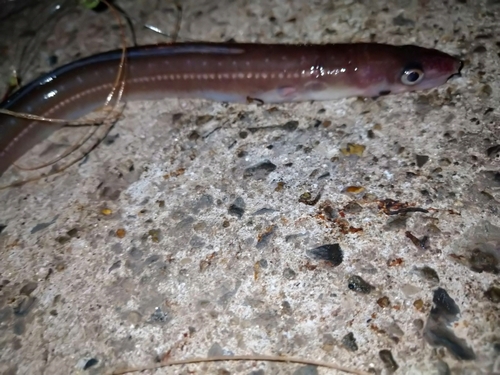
{"x":2,"y":227}
{"x":429,"y":274}
{"x":63,"y":239}
{"x":331,"y":253}
{"x":359,"y":285}
{"x":110,"y":139}
{"x":264,"y":211}
{"x":438,"y":335}
{"x":349,"y":342}
{"x":202,"y":120}
{"x":496,"y":347}
{"x":493,"y":294}
{"x":263,"y":263}
{"x":492,"y":178}
{"x":91,"y":362}
{"x":388,"y":360}
{"x":291,"y":125}
{"x":493,"y":151}
{"x":40,"y":227}
{"x":481,"y":261}
{"x":479,"y":49}
{"x":260,"y":171}
{"x":159,"y":316}
{"x":422,"y":160}
{"x":115,"y":265}
{"x":444,"y":306}
{"x":402,"y":21}
{"x":237,"y":208}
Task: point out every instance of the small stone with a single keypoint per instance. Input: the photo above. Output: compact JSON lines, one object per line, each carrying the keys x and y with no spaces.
{"x":388,"y":360}
{"x":63,"y":239}
{"x":159,"y":316}
{"x":106,"y":211}
{"x":91,"y":362}
{"x":481,"y":261}
{"x":418,"y":304}
{"x":155,"y":235}
{"x":260,"y":171}
{"x":429,"y":274}
{"x":444,"y":305}
{"x":384,"y":302}
{"x":120,"y":233}
{"x":202,"y":120}
{"x":354,"y":189}
{"x":331,"y":253}
{"x":422,"y":160}
{"x":291,"y":125}
{"x":493,"y":294}
{"x":353,"y":149}
{"x":237,"y":208}
{"x":289,"y":274}
{"x":349,"y":342}
{"x":400,"y":20}
{"x":418,"y":324}
{"x":359,"y":285}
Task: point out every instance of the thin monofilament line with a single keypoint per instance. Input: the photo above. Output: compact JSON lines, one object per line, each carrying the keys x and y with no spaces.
{"x":264,"y":358}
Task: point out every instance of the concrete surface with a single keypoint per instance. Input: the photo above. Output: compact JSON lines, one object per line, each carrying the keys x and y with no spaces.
{"x":193,"y":229}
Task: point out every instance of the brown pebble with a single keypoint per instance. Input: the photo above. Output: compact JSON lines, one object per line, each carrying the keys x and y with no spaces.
{"x":120,"y":233}
{"x":384,"y":302}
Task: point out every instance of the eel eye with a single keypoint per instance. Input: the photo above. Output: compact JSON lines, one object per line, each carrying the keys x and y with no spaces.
{"x":412,"y":76}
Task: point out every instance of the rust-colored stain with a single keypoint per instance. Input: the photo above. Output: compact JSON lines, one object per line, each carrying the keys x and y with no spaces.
{"x":176,"y":173}
{"x":395,"y":262}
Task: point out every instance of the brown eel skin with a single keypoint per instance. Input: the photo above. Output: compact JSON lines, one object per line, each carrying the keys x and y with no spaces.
{"x":230,"y":72}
